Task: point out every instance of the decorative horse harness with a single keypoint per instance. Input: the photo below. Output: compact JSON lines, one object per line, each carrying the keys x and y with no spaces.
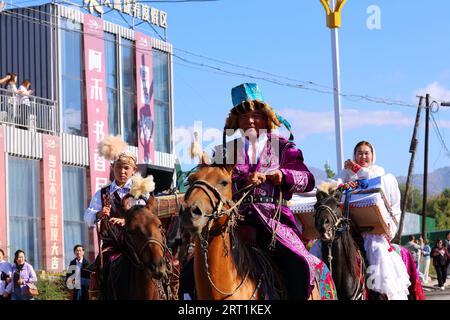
{"x":220,"y":209}
{"x":112,"y":233}
{"x":338,"y":225}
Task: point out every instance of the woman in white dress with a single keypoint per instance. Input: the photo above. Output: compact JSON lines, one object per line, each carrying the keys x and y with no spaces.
{"x":387,"y":274}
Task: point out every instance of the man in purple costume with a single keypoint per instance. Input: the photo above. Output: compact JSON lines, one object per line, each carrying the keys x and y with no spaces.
{"x":275,"y":166}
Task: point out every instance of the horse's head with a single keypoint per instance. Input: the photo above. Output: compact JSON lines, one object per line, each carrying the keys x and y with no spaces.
{"x":209,"y":194}
{"x":328,"y":215}
{"x":145,"y":239}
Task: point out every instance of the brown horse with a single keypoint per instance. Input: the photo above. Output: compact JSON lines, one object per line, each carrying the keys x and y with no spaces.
{"x":225,"y":267}
{"x":138,"y":273}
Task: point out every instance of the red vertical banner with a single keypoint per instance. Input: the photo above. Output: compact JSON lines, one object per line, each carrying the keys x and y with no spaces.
{"x":3,"y":218}
{"x":144,"y":88}
{"x":97,"y":110}
{"x":53,"y":219}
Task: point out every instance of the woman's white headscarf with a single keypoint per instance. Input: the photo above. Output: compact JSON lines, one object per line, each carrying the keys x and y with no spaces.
{"x":369,"y":172}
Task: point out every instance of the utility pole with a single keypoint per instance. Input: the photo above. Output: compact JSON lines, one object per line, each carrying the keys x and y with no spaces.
{"x":412,"y":150}
{"x":334,"y":22}
{"x":425,"y":167}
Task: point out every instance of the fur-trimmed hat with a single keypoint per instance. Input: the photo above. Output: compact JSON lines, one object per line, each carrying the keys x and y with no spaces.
{"x":115,"y":150}
{"x":247,"y":97}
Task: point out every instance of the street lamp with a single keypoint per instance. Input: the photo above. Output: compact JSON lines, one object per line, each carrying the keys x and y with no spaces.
{"x":334,"y":22}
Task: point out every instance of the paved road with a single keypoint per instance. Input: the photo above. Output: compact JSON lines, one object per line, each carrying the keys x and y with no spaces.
{"x":434,"y":293}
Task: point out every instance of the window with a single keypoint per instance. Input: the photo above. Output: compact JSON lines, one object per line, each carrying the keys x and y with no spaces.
{"x":24,"y":208}
{"x":129,"y":107}
{"x":74,"y":193}
{"x":72,"y":82}
{"x":111,"y":83}
{"x":161,"y":87}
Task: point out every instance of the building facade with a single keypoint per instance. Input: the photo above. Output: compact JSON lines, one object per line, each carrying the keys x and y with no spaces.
{"x":91,"y":78}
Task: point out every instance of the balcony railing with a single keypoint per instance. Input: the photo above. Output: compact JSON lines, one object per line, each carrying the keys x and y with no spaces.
{"x":39,"y":114}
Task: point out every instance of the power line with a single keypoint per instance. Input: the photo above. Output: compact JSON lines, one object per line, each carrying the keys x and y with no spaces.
{"x":178,"y":1}
{"x":354,"y":97}
{"x":439,"y":135}
{"x":250,"y":68}
{"x":274,"y":78}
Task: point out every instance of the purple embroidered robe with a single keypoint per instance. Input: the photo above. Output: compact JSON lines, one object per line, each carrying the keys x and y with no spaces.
{"x":278,"y":153}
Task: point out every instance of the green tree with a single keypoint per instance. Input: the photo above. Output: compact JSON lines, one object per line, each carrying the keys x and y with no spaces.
{"x":330,"y":173}
{"x":438,"y":207}
{"x":415,"y":199}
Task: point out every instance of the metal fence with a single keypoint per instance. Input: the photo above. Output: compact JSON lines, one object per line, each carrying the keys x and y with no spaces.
{"x":29,"y":112}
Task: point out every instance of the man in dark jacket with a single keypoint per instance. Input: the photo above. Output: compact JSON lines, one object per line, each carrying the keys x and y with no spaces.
{"x":77,"y":278}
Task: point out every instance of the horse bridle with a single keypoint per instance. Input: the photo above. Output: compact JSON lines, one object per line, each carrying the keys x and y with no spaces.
{"x":339,"y":225}
{"x":136,"y":255}
{"x":219,"y":211}
{"x":163,"y":285}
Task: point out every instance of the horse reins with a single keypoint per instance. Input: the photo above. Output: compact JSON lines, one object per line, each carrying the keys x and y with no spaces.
{"x":218,"y":212}
{"x":338,"y":227}
{"x":137,"y":254}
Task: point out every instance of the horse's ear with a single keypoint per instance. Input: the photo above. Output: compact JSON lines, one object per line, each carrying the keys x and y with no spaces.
{"x":229,"y":168}
{"x":321,"y":195}
{"x":126,"y":202}
{"x":337,"y":194}
{"x":204,"y":158}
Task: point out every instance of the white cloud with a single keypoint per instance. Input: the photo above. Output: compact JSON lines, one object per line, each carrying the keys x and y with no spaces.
{"x":306,"y":123}
{"x":439,"y":93}
{"x":436,"y":91}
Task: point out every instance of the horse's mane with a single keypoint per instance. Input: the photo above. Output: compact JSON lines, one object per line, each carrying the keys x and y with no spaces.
{"x":250,"y":258}
{"x":351,"y":252}
{"x":132,"y":212}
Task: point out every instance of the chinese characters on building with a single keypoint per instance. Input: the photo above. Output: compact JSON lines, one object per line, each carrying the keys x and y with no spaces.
{"x":131,"y":8}
{"x":96,"y":99}
{"x":52,"y":198}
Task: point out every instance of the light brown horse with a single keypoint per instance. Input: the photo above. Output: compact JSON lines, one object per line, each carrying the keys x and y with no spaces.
{"x":224,"y":266}
{"x":206,"y":215}
{"x":138,"y":273}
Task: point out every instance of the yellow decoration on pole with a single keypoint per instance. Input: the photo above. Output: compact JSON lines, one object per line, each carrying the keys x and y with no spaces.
{"x":333,"y":17}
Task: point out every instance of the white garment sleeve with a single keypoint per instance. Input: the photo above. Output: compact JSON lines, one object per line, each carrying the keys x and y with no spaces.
{"x":370,"y":172}
{"x":6,"y":268}
{"x":348,"y":175}
{"x":392,"y":193}
{"x":90,"y":215}
{"x":363,"y":173}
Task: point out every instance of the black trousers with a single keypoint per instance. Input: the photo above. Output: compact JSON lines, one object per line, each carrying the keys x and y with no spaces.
{"x":293,"y":272}
{"x":441,"y":272}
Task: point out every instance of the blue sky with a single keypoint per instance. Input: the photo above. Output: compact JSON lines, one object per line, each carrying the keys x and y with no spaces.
{"x":408,"y":55}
